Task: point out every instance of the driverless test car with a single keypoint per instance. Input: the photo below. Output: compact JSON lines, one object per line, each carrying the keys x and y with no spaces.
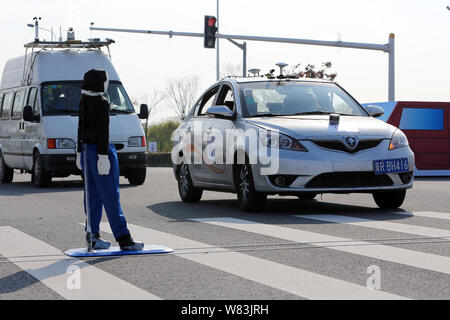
{"x":261,"y":136}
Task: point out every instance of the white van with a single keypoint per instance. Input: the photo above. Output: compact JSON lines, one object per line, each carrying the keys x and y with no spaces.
{"x":39,"y":98}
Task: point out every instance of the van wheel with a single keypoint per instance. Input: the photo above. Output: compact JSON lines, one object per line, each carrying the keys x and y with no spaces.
{"x":39,"y":177}
{"x":389,"y":199}
{"x":249,"y":200}
{"x":6,"y":174}
{"x":186,"y":189}
{"x":136,"y":177}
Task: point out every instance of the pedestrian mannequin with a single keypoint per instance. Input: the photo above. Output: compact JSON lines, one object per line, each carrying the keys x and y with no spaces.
{"x":97,"y":158}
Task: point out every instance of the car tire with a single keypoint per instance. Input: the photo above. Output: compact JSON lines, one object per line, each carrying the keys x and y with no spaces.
{"x":307,"y":196}
{"x":389,"y":199}
{"x":186,"y":189}
{"x":6,"y":174}
{"x":39,"y":177}
{"x":249,"y":199}
{"x":137,"y":177}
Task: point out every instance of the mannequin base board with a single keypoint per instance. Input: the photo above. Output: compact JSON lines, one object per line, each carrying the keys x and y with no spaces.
{"x":116,"y":251}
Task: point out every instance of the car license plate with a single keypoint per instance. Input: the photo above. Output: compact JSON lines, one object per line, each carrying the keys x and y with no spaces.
{"x":391,"y":166}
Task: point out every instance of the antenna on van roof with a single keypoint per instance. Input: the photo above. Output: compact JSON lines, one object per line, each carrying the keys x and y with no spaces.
{"x":36,"y":27}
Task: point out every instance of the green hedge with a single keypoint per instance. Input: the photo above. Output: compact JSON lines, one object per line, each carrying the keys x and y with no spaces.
{"x":162,"y":159}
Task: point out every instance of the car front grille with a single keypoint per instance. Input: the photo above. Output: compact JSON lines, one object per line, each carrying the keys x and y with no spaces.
{"x":349,"y":180}
{"x":339,"y":146}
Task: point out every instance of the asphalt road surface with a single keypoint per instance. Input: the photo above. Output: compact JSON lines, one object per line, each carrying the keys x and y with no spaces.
{"x":334,"y":247}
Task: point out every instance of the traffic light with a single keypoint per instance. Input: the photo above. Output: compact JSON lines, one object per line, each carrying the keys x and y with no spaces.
{"x":210,"y":32}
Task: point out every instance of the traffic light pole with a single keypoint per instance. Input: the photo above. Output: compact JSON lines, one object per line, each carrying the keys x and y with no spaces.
{"x":218,"y":47}
{"x":243,"y":47}
{"x":388,"y":48}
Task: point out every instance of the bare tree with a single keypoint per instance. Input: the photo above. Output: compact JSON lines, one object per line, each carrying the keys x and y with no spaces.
{"x":322,"y":73}
{"x":152,"y":101}
{"x":181,"y":94}
{"x":230,"y":69}
{"x":309,"y":71}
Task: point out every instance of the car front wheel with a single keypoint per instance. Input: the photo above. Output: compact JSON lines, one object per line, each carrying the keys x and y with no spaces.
{"x":249,"y":199}
{"x":389,"y":199}
{"x":306,"y":196}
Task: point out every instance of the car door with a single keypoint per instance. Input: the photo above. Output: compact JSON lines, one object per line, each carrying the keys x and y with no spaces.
{"x":427,"y":128}
{"x":17,"y":130}
{"x":195,"y":128}
{"x":215,"y":145}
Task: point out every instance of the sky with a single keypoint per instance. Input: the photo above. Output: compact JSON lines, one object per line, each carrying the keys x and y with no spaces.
{"x":146,"y":62}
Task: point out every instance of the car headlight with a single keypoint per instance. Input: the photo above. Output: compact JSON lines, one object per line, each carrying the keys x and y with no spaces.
{"x":281,"y":141}
{"x":398,"y":140}
{"x":136,"y":142}
{"x":62,"y":143}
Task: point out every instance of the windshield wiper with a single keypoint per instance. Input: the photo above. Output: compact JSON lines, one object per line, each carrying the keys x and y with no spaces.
{"x":320,"y":112}
{"x":266,"y":115}
{"x":59,"y":112}
{"x":311,"y":113}
{"x":121,"y":111}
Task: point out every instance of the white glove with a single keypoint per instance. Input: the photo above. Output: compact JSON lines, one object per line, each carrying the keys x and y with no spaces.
{"x":103,"y":165}
{"x":78,"y":160}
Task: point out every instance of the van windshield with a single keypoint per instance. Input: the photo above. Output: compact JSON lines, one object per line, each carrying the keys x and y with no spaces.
{"x":64,"y":98}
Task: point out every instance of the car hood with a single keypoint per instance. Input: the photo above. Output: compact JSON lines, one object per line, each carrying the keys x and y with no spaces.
{"x":310,"y":127}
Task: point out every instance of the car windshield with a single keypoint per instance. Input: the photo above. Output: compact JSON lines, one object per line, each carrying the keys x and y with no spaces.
{"x":285,"y":98}
{"x":64,"y":98}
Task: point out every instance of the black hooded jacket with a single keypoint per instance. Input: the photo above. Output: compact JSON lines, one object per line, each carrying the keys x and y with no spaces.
{"x":93,"y":116}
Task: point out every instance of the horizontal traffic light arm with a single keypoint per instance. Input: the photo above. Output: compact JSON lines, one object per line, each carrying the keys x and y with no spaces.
{"x":354,"y":45}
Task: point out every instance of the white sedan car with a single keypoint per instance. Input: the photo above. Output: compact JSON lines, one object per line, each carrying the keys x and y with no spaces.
{"x":260,"y":136}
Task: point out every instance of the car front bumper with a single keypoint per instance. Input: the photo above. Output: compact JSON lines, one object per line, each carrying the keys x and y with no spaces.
{"x":327,"y":171}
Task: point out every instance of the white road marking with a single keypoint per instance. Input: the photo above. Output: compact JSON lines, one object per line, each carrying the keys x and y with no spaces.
{"x":427,"y":214}
{"x":286,"y":278}
{"x":50,"y":266}
{"x":383,"y":252}
{"x":384,"y":225}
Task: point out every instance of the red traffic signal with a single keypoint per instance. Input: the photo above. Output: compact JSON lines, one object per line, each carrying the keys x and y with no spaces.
{"x":210,"y":32}
{"x":212,"y":21}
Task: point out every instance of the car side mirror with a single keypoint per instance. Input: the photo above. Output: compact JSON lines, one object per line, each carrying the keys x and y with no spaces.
{"x":143,"y":114}
{"x":28,"y":114}
{"x":375,"y":111}
{"x":220,"y":112}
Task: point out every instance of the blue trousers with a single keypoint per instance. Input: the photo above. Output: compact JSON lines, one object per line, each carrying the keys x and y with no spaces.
{"x":102,"y":191}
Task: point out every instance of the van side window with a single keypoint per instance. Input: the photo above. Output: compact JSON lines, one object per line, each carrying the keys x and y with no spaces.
{"x":1,"y":102}
{"x":32,"y":100}
{"x":6,"y":106}
{"x":18,"y":105}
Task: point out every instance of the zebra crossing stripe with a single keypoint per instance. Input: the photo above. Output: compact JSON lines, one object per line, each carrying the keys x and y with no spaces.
{"x":426,"y":214}
{"x":383,"y":252}
{"x":384,"y":225}
{"x":286,"y":278}
{"x":70,"y":278}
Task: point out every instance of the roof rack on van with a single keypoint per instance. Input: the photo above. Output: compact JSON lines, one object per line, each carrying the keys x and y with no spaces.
{"x":76,"y":44}
{"x":69,"y":44}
